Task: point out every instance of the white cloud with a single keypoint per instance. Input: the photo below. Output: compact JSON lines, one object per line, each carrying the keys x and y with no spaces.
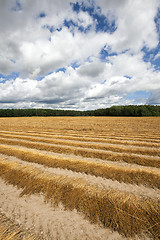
{"x":82,"y":19}
{"x":91,"y":85}
{"x":62,"y":49}
{"x":157,"y":56}
{"x":135,"y":24}
{"x":18,"y":90}
{"x":155,"y":97}
{"x":28,"y":46}
{"x":123,"y":75}
{"x":93,"y":69}
{"x":57,"y":89}
{"x":27,"y":42}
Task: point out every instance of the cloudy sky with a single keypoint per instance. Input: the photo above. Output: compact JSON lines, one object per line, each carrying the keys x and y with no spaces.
{"x":81,"y":55}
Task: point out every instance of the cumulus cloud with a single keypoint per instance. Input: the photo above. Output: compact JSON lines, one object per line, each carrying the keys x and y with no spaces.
{"x":135,"y":24}
{"x":56,"y":89}
{"x":125,"y":74}
{"x":100,"y":45}
{"x":93,"y":69}
{"x":154,"y":98}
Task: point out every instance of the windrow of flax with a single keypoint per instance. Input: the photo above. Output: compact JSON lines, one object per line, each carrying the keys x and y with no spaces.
{"x":148,"y":177}
{"x":108,"y":139}
{"x":86,"y":152}
{"x":108,"y":147}
{"x":125,"y":212}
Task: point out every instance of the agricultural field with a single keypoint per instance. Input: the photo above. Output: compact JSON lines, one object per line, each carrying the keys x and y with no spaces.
{"x":80,"y":178}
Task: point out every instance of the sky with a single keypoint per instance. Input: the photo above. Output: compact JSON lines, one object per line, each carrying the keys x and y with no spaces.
{"x":80,"y":55}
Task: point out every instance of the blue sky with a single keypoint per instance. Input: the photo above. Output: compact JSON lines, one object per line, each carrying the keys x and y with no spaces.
{"x":79,"y":54}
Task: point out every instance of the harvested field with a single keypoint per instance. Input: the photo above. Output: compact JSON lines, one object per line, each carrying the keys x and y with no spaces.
{"x":80,"y":178}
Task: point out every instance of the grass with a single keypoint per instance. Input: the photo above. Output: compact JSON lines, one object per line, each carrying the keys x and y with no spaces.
{"x":113,"y":208}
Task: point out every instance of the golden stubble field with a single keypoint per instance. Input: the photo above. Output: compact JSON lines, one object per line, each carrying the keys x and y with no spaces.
{"x":76,"y":178}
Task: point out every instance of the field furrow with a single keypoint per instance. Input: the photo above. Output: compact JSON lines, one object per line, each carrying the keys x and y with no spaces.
{"x":10,"y":230}
{"x":100,"y":182}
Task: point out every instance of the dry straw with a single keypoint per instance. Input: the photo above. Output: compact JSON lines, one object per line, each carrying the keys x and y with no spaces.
{"x":133,"y":141}
{"x":126,"y":174}
{"x":104,"y":155}
{"x":118,"y":210}
{"x":12,"y":231}
{"x":108,"y":147}
{"x":49,"y":135}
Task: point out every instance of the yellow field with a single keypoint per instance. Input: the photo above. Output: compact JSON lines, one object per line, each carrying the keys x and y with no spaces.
{"x":80,"y":178}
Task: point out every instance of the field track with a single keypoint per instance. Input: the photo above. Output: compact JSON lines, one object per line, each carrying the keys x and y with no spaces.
{"x":104,"y":172}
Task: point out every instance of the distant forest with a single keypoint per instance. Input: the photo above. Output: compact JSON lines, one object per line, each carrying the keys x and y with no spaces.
{"x":130,"y":110}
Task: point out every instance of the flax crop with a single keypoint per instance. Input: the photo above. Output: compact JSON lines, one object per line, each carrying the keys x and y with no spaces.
{"x":131,"y":128}
{"x":115,"y":209}
{"x":84,"y":139}
{"x":148,"y":177}
{"x":101,"y":188}
{"x":104,"y":155}
{"x":108,"y":147}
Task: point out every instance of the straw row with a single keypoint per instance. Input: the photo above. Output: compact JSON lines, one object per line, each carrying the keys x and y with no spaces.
{"x":142,"y":128}
{"x":85,"y":152}
{"x":148,"y":177}
{"x":83,"y":139}
{"x":31,"y":210}
{"x":107,"y":147}
{"x":115,"y":209}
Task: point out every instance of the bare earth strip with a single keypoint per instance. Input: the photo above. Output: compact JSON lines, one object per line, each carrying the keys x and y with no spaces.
{"x":11,"y":230}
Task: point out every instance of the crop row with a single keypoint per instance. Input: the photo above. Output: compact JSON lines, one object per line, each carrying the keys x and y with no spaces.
{"x":85,"y":152}
{"x":95,"y":126}
{"x":146,"y":176}
{"x":114,"y":209}
{"x":80,"y":134}
{"x":108,"y":139}
{"x":31,"y":210}
{"x":107,"y":147}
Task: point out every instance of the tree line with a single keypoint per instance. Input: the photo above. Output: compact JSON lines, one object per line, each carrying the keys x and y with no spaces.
{"x":130,"y":110}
